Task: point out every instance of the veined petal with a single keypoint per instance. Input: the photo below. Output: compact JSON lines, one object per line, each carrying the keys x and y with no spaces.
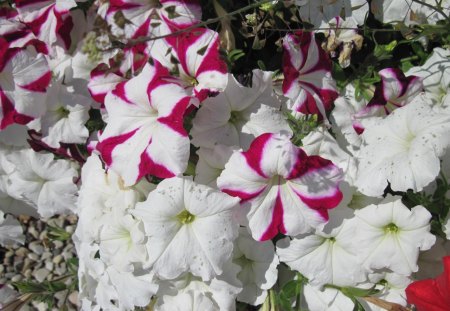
{"x":145,"y":132}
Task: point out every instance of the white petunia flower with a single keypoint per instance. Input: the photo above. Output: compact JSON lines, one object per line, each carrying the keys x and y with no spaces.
{"x":101,"y":195}
{"x":258,"y":262}
{"x":122,"y":234}
{"x":211,"y":163}
{"x":324,"y":258}
{"x":67,"y":113}
{"x":403,"y":149}
{"x":190,"y":228}
{"x":190,"y":293}
{"x":110,"y":242}
{"x":319,"y":12}
{"x":389,"y":235}
{"x":321,"y":142}
{"x":447,"y":227}
{"x":392,"y":289}
{"x":351,"y":116}
{"x":10,"y":230}
{"x":8,"y":203}
{"x":239,"y":114}
{"x":43,"y":182}
{"x":109,"y":288}
{"x":436,"y":76}
{"x":329,"y":299}
{"x":408,"y":12}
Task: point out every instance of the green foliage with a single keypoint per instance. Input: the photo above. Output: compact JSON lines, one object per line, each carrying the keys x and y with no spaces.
{"x":292,"y":291}
{"x":57,"y":233}
{"x":95,"y":122}
{"x":384,"y":51}
{"x":42,"y":292}
{"x":353,"y":293}
{"x":235,"y":55}
{"x":302,"y":126}
{"x":437,"y":204}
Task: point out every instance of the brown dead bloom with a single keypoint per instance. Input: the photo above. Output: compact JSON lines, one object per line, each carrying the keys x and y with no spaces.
{"x":341,"y":39}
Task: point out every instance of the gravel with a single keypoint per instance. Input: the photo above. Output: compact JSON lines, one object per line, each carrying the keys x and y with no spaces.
{"x":40,"y":259}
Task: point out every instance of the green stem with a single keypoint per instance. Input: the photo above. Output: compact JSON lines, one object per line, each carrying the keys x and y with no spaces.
{"x":407,"y":59}
{"x":432,"y":7}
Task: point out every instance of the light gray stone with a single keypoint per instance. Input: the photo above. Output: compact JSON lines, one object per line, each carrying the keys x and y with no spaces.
{"x":41,"y":274}
{"x":36,"y":247}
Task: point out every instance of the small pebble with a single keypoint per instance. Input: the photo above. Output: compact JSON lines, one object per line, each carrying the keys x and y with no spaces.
{"x":22,"y":251}
{"x":60,"y":297}
{"x":58,"y":244}
{"x":33,"y":232}
{"x":9,"y":275}
{"x":41,"y":306}
{"x":9,"y":254}
{"x":36,"y":247}
{"x":67,"y":255}
{"x":49,"y":265}
{"x":33,"y":256}
{"x":57,"y":259}
{"x":40,"y":274}
{"x":26,"y":264}
{"x":50,"y":277}
{"x":61,"y":269}
{"x":16,"y":278}
{"x":27,"y":273}
{"x":73,"y":298}
{"x":18,"y":263}
{"x":43,"y":235}
{"x":46,"y":255}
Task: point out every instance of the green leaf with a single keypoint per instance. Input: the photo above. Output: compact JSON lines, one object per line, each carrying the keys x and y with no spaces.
{"x":419,"y":51}
{"x":358,"y":306}
{"x":261,"y":64}
{"x":234,"y":55}
{"x":72,"y":265}
{"x":338,"y":74}
{"x":291,"y":288}
{"x":353,"y":292}
{"x":284,"y":302}
{"x":384,"y":51}
{"x":57,"y":233}
{"x":405,"y":66}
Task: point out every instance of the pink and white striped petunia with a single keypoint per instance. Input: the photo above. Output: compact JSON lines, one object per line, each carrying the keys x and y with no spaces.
{"x":145,"y":133}
{"x":395,"y":90}
{"x":175,"y":14}
{"x":19,"y":35}
{"x":24,"y":77}
{"x":180,"y":13}
{"x":103,"y":80}
{"x":199,"y":63}
{"x":307,"y":75}
{"x":49,"y":20}
{"x":285,"y":190}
